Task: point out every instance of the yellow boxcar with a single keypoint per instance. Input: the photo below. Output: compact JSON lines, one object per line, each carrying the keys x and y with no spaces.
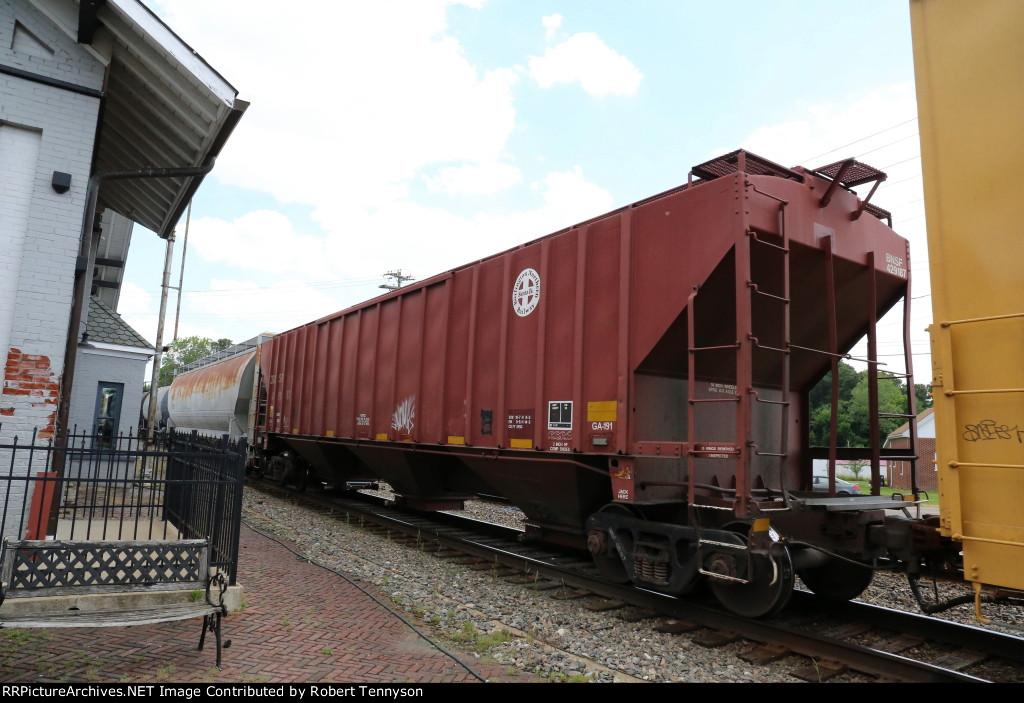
{"x":969,"y":63}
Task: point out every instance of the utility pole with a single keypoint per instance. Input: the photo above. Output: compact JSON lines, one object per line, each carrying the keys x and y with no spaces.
{"x":399,"y":279}
{"x":158,"y":349}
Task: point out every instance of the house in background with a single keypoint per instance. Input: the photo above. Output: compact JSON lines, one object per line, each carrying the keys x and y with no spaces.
{"x":107,"y":118}
{"x":927,"y":471}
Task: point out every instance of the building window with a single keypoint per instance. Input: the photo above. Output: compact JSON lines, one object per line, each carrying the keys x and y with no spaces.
{"x":108,"y":414}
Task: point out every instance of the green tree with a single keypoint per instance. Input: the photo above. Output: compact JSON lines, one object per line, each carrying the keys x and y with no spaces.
{"x":820,"y":408}
{"x":923,"y":392}
{"x":892,"y":398}
{"x":855,"y":467}
{"x":821,"y":394}
{"x":184,"y":351}
{"x":821,"y":426}
{"x":853,"y":423}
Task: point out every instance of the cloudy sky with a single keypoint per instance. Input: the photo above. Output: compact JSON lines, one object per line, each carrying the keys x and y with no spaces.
{"x":418,"y":135}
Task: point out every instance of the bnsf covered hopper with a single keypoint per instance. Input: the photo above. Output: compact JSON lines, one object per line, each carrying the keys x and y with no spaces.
{"x":651,"y":364}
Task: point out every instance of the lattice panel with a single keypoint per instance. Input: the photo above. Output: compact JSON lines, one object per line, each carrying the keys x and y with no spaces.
{"x":113,"y":564}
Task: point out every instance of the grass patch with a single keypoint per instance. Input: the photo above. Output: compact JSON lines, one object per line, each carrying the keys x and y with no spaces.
{"x":16,"y":639}
{"x":476,"y":641}
{"x":562,"y":677}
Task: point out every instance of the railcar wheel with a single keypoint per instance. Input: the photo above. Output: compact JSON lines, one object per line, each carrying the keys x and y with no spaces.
{"x":768,"y":586}
{"x":610,"y":565}
{"x":280,"y":469}
{"x":289,"y":470}
{"x":302,"y":475}
{"x":837,"y":580}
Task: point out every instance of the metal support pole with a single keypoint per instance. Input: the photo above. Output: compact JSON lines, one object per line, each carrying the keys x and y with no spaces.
{"x":181,"y":276}
{"x":154,"y":379}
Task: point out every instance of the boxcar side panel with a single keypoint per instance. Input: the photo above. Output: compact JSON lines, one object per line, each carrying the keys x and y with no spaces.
{"x":389,"y":334}
{"x":487,"y":346}
{"x":600,"y":335}
{"x":331,"y":388}
{"x":349,"y":330}
{"x":460,"y":349}
{"x":410,"y":408}
{"x":559,"y":305}
{"x":366,"y":375}
{"x":435,"y":372}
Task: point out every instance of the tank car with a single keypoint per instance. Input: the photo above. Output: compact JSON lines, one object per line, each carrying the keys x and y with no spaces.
{"x":217,"y":396}
{"x":214,"y":398}
{"x":162,"y":411}
{"x":637,"y":384}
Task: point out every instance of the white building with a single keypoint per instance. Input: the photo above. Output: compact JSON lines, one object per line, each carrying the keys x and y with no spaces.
{"x":103,"y":109}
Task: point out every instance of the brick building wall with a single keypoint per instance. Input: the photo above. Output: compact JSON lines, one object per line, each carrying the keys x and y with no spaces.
{"x":43,"y":129}
{"x":927,"y":476}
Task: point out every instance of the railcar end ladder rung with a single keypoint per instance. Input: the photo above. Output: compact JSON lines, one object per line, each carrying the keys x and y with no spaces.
{"x":735,"y":345}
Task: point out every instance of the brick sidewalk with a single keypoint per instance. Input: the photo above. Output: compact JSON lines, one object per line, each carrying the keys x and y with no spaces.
{"x":301,"y":623}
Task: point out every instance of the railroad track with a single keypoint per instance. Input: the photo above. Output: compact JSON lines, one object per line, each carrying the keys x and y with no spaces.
{"x":885,"y":644}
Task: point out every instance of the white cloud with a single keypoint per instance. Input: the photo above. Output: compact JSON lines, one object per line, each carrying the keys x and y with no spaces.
{"x":283,"y":305}
{"x":568,"y":190}
{"x":474,"y":179}
{"x":428,"y":241}
{"x":585,"y":59}
{"x":352,"y":105}
{"x":261,"y":240}
{"x":346,"y":112}
{"x":133,"y":299}
{"x":859,"y":126}
{"x":343,"y":265}
{"x":551,"y":25}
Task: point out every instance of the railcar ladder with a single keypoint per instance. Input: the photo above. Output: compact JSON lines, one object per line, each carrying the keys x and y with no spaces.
{"x":910,"y":455}
{"x":784,"y":350}
{"x":746,"y":396}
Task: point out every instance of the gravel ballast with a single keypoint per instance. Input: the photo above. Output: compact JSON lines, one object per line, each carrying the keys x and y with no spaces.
{"x":519,"y":627}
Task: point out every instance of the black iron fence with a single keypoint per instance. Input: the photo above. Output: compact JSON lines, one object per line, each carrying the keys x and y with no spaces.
{"x":183,"y":486}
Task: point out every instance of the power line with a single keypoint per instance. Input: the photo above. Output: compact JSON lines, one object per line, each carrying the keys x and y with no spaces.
{"x":886,"y":168}
{"x":885,"y":146}
{"x":321,"y":285}
{"x":857,"y":141}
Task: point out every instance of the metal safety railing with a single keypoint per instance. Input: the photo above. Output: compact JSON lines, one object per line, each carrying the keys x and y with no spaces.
{"x":183,"y":486}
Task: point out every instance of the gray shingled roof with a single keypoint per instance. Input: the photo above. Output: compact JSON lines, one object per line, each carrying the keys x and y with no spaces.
{"x":106,"y":326}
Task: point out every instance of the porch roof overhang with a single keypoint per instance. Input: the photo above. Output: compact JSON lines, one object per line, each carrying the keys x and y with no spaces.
{"x":163,"y":108}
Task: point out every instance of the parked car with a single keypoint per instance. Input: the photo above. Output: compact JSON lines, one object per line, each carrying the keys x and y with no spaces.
{"x":843,"y":488}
